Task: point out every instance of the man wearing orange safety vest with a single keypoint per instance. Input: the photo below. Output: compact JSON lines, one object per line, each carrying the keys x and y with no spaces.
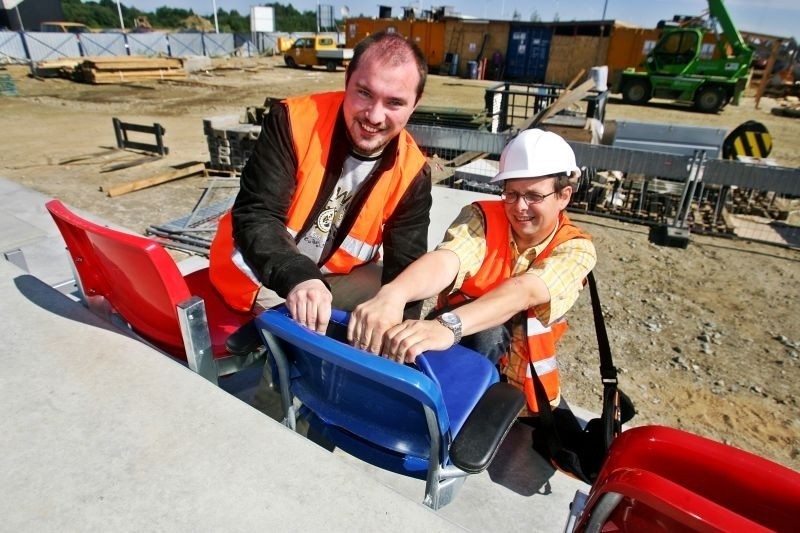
{"x":506,"y":273}
{"x":333,"y":178}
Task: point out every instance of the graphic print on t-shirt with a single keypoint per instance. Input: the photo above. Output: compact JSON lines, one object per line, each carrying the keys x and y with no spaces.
{"x":354,"y":172}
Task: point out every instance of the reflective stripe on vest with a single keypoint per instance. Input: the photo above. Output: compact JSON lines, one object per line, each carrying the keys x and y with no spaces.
{"x":541,"y":343}
{"x":241,"y":264}
{"x":353,"y":251}
{"x":496,"y":268}
{"x":360,"y":249}
{"x":312,"y":120}
{"x":543,"y":367}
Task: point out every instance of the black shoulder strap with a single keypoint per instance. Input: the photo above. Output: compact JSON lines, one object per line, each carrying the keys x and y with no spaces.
{"x":608,"y":375}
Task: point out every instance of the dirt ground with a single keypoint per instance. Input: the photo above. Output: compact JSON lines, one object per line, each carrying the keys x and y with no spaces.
{"x":706,"y":337}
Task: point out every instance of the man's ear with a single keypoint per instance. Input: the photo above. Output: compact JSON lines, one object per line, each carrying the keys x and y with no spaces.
{"x":564,"y":196}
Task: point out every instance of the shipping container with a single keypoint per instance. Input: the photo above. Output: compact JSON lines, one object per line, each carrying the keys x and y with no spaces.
{"x":357,"y":29}
{"x":428,"y":35}
{"x":628,"y":47}
{"x":476,"y":40}
{"x":528,"y":52}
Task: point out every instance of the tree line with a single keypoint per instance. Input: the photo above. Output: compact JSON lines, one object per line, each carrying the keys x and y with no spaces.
{"x":103,"y":14}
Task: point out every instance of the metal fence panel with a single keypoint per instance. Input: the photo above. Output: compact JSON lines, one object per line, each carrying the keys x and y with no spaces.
{"x":12,"y":50}
{"x":104,"y":44}
{"x":457,"y":139}
{"x":712,"y":196}
{"x":668,"y":138}
{"x":148,"y":44}
{"x":781,"y":180}
{"x":218,"y":44}
{"x":186,"y":44}
{"x":602,"y":157}
{"x":243,"y":43}
{"x":43,"y":46}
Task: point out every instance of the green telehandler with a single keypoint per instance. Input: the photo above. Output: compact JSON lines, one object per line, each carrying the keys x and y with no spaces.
{"x":681,"y":68}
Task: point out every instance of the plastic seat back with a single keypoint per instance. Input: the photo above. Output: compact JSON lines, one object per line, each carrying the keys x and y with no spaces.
{"x":663,"y":479}
{"x":378,"y":407}
{"x":134,"y":274}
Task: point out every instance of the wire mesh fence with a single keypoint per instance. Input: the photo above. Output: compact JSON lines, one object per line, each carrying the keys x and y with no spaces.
{"x":646,"y":178}
{"x":712,"y":197}
{"x":708,"y":196}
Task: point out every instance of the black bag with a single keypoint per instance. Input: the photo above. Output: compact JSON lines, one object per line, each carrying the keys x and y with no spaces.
{"x":559,"y":437}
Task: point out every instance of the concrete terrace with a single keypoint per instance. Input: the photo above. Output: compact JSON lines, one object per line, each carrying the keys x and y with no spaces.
{"x":103,"y":432}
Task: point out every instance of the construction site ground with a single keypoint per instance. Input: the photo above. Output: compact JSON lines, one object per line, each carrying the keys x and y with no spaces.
{"x":706,"y":337}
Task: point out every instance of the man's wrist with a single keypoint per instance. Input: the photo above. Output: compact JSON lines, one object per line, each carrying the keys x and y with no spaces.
{"x":452,"y":322}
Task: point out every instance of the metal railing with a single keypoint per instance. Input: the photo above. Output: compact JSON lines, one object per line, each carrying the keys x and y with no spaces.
{"x":509,"y":104}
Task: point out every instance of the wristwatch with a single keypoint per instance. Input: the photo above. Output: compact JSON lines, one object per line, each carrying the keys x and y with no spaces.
{"x":451,"y":322}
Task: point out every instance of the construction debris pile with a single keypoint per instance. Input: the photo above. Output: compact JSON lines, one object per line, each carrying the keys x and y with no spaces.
{"x":194,"y":232}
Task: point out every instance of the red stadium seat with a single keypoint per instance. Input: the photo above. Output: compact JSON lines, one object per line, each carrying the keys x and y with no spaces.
{"x":135,"y":276}
{"x":663,"y":479}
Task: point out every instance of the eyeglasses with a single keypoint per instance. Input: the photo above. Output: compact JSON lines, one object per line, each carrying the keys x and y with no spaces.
{"x":511,"y":197}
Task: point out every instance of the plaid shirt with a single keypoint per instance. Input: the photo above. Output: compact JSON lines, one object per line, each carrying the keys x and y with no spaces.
{"x":562,"y":272}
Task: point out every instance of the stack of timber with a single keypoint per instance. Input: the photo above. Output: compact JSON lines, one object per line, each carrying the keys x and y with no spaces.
{"x":120,"y":69}
{"x":64,"y":67}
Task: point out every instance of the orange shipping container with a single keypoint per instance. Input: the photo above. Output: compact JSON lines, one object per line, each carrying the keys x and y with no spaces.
{"x":429,"y":36}
{"x":627,"y":48}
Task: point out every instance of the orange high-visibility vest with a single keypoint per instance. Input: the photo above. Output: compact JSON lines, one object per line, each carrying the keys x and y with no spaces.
{"x":312,"y":120}
{"x":495,"y":269}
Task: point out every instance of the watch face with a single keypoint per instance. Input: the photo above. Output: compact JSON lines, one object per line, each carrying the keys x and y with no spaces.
{"x":450,"y":319}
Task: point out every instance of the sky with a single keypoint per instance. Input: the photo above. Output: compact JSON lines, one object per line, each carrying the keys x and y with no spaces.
{"x":771,"y":17}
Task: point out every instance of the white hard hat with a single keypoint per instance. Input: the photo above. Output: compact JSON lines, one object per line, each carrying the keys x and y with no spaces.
{"x":536,"y":153}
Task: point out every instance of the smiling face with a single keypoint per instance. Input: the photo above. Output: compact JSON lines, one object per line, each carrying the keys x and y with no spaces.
{"x":532,"y":224}
{"x":379,"y":99}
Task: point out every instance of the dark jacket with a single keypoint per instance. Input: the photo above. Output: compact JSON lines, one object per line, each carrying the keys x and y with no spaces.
{"x":268,"y":183}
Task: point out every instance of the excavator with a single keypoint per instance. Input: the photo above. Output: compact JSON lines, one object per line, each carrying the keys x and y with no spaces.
{"x":681,"y":68}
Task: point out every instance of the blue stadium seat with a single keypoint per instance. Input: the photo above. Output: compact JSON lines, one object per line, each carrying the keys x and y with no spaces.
{"x":438,"y":420}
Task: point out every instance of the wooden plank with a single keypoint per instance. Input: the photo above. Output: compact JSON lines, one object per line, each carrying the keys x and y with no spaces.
{"x":465,"y":158}
{"x":569,"y":132}
{"x":140,"y":65}
{"x":132,"y":76}
{"x":765,"y":80}
{"x":185,"y":171}
{"x":574,"y":80}
{"x":64,"y":62}
{"x":105,"y":61}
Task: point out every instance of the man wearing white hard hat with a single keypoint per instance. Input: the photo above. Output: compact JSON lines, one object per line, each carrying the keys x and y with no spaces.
{"x":506,"y":273}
